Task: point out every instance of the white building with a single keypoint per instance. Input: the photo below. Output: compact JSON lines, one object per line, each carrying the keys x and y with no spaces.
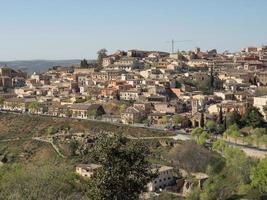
{"x":86,"y":170}
{"x":260,"y":102}
{"x":165,"y":178}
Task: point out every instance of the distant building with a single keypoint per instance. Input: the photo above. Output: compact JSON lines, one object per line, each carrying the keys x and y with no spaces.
{"x":165,"y":178}
{"x":87,"y":170}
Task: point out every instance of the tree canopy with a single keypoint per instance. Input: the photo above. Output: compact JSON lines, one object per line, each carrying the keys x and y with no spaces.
{"x":125,"y":169}
{"x":253,"y":117}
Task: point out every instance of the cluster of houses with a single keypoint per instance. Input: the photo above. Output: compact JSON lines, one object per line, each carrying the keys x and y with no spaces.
{"x":151,"y":86}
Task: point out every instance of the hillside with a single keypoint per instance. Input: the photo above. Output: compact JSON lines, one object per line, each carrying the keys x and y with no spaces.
{"x":38,"y":65}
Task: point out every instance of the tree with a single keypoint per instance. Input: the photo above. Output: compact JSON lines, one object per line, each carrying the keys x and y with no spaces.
{"x":125,"y":170}
{"x":233,"y":118}
{"x":92,"y":113}
{"x":123,"y":108}
{"x":84,"y":64}
{"x":177,"y":119}
{"x":2,"y":99}
{"x":220,"y":117}
{"x":211,"y":78}
{"x":219,"y":145}
{"x":231,"y":129}
{"x":238,"y":164}
{"x":196,"y":132}
{"x":203,"y":138}
{"x":194,"y":195}
{"x":259,"y":176}
{"x":34,"y":107}
{"x":211,"y":126}
{"x":164,"y":120}
{"x":252,"y":117}
{"x":51,"y":130}
{"x":102,"y":53}
{"x":202,"y":120}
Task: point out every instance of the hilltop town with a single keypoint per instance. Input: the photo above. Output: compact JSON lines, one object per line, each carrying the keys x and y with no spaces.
{"x":152,"y":88}
{"x":219,"y":100}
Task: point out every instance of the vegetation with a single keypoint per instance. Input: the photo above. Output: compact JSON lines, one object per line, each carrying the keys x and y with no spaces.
{"x":102,"y":53}
{"x":84,"y":64}
{"x":252,"y":117}
{"x":125,"y":169}
{"x":180,"y":155}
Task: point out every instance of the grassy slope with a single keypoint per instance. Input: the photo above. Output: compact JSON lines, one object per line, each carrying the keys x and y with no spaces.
{"x":23,"y":126}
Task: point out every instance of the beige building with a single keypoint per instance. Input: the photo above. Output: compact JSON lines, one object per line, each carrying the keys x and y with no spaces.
{"x":87,"y":170}
{"x":260,"y":102}
{"x":165,"y":178}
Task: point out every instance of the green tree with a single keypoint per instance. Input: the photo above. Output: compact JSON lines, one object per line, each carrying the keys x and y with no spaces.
{"x":102,"y":53}
{"x":194,"y":195}
{"x":125,"y":169}
{"x":203,"y":138}
{"x":164,"y":120}
{"x":230,"y":130}
{"x":34,"y":107}
{"x":92,"y":113}
{"x":220,"y":117}
{"x":202,"y":120}
{"x":233,"y":118}
{"x":196,"y":132}
{"x":51,"y":130}
{"x":219,"y":145}
{"x":238,"y":163}
{"x":84,"y":64}
{"x":252,"y":117}
{"x":123,"y":107}
{"x":2,"y":99}
{"x":259,"y":176}
{"x":211,"y":126}
{"x":177,"y":119}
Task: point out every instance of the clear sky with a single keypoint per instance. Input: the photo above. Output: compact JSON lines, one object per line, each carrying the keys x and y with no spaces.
{"x":67,"y":29}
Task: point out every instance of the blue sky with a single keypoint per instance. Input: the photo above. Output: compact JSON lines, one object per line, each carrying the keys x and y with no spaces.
{"x":66,"y":29}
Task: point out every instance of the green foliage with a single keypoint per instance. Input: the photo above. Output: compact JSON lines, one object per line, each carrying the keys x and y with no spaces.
{"x":92,"y":113}
{"x":217,"y":188}
{"x":2,"y":99}
{"x":203,"y":138}
{"x":259,"y":176}
{"x":51,"y":130}
{"x":211,"y":126}
{"x":167,"y":196}
{"x":177,"y":119}
{"x":233,"y":131}
{"x":84,"y":64}
{"x":46,"y":182}
{"x":125,"y":169}
{"x":102,"y":53}
{"x":194,"y":195}
{"x":233,"y":118}
{"x":193,"y":157}
{"x":34,"y":107}
{"x":178,"y":84}
{"x":73,"y":146}
{"x":196,"y":132}
{"x":219,"y":145}
{"x":164,"y":120}
{"x":252,"y":117}
{"x":238,"y":163}
{"x":123,"y":108}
